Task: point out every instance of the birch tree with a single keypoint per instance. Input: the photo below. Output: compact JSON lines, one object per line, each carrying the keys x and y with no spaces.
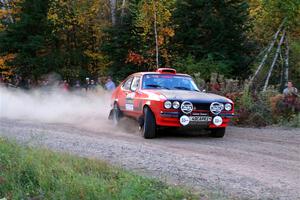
{"x":154,"y":20}
{"x":123,"y":10}
{"x":274,"y":61}
{"x":286,"y":62}
{"x":267,"y":53}
{"x":113,"y":8}
{"x":155,"y":33}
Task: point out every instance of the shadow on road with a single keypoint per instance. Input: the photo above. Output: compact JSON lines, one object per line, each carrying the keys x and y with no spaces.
{"x":182,"y":133}
{"x":130,"y":126}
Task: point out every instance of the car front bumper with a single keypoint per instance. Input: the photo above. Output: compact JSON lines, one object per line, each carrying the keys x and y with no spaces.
{"x":172,"y":119}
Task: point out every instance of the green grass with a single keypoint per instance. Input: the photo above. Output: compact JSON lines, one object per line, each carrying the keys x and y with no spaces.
{"x":28,"y":173}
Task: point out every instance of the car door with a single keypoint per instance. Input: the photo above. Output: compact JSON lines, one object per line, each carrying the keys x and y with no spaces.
{"x":130,"y":100}
{"x":122,"y":98}
{"x":136,"y":96}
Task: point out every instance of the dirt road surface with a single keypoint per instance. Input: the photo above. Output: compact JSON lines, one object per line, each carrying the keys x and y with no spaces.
{"x":247,"y":163}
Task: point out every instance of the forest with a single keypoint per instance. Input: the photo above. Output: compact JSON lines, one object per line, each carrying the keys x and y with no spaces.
{"x":258,"y":40}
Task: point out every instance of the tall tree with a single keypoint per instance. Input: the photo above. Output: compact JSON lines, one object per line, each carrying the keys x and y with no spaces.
{"x":113,"y":8}
{"x":8,"y":8}
{"x":123,"y":44}
{"x":215,"y":29}
{"x":78,"y":27}
{"x":28,"y":39}
{"x":154,"y":20}
{"x":267,"y":16}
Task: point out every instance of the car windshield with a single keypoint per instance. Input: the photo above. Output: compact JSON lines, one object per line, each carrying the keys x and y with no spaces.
{"x":169,"y":82}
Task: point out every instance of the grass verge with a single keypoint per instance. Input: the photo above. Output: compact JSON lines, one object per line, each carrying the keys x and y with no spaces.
{"x":28,"y":173}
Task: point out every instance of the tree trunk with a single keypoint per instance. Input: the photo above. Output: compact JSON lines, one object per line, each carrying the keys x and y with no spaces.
{"x":286,"y":63}
{"x":156,"y":36}
{"x":282,"y":69}
{"x":274,"y":60}
{"x":113,"y":7}
{"x":123,"y":10}
{"x":267,"y":53}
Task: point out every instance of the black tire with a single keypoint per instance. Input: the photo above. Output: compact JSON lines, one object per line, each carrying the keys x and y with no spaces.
{"x":148,"y":129}
{"x":116,"y":115}
{"x":218,"y":132}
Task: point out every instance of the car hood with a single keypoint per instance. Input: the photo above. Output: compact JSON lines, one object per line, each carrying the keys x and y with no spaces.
{"x":193,"y":96}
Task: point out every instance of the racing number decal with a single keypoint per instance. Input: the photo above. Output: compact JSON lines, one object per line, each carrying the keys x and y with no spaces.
{"x":129,"y":101}
{"x":129,"y":107}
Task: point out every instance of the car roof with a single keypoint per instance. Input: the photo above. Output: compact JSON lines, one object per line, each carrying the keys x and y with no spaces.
{"x":157,"y":73}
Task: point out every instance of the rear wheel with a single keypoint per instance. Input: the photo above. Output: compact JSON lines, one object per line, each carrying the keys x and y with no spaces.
{"x":218,"y":132}
{"x":148,"y":129}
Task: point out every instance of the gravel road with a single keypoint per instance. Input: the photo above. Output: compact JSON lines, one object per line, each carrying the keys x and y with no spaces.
{"x":247,"y":163}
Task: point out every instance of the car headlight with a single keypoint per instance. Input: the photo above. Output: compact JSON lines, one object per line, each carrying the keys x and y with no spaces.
{"x":176,"y":104}
{"x":216,"y":108}
{"x":228,"y":106}
{"x":167,"y":104}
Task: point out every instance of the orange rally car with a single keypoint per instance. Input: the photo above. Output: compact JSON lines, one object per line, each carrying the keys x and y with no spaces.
{"x":168,"y":99}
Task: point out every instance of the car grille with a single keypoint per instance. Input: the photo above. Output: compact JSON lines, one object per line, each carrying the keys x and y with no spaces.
{"x":201,"y":106}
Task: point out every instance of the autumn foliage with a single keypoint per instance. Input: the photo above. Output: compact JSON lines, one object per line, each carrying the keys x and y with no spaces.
{"x":81,"y":38}
{"x":4,"y":68}
{"x":135,"y":58}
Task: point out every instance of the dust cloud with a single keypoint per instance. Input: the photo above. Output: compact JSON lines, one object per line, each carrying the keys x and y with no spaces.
{"x":86,"y":109}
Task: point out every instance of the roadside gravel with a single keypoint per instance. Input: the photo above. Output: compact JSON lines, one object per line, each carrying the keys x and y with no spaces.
{"x":247,"y":163}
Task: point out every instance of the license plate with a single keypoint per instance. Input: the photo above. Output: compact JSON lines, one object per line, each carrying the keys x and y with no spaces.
{"x":200,"y":119}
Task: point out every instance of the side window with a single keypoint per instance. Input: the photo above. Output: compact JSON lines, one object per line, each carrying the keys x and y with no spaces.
{"x":126,"y":85}
{"x":135,"y":83}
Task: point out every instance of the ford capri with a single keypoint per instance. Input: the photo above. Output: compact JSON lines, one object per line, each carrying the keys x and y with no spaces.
{"x":165,"y":98}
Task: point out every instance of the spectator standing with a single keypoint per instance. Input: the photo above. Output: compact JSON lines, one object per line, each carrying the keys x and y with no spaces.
{"x":99,"y":84}
{"x":77,"y":85}
{"x":290,"y":90}
{"x":87,"y":83}
{"x":110,"y":85}
{"x":93,"y":85}
{"x":65,"y":86}
{"x":290,"y":95}
{"x":100,"y":81}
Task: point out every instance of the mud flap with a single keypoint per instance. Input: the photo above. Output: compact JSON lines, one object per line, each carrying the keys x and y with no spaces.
{"x":110,"y":116}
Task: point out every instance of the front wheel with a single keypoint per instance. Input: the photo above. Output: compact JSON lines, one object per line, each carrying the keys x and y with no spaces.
{"x":218,"y":132}
{"x":148,"y":129}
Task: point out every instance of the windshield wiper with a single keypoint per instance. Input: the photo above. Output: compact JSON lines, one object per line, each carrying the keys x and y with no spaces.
{"x":182,"y":88}
{"x":157,"y":86}
{"x":185,"y":88}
